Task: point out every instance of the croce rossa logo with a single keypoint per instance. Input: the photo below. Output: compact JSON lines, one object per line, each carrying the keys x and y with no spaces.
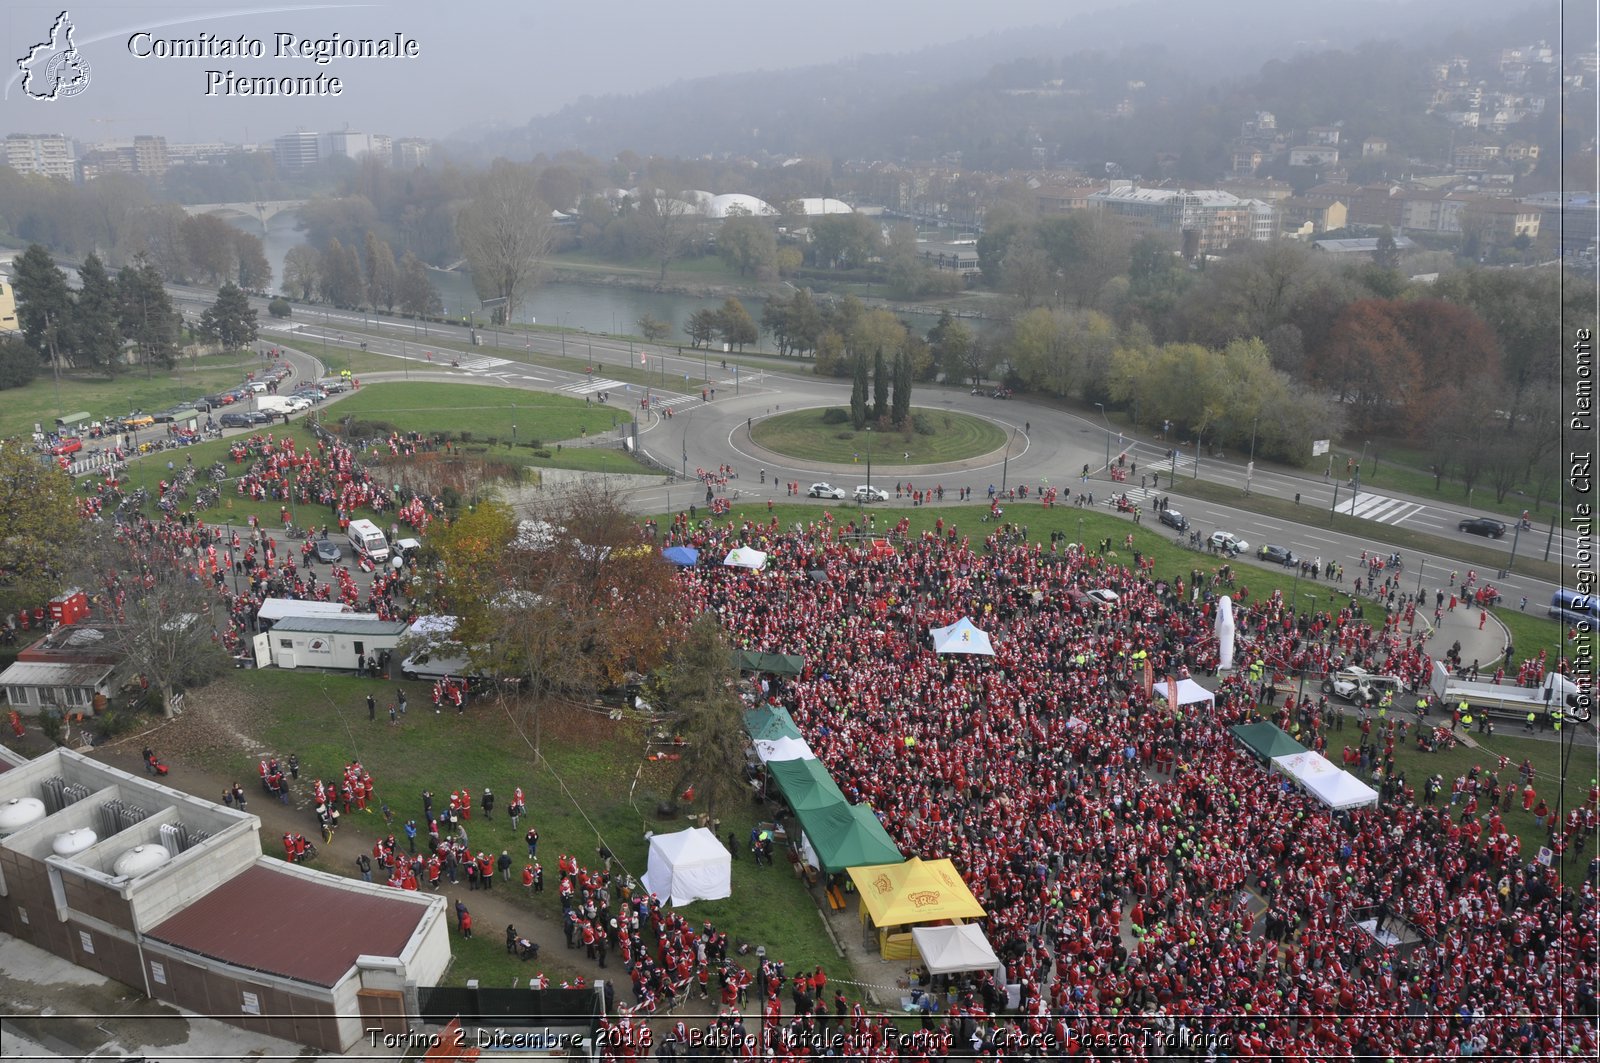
{"x":54,"y":69}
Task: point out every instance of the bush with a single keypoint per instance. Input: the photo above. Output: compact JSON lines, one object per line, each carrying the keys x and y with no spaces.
{"x":836,"y":415}
{"x":466,"y":437}
{"x":921,"y":425}
{"x":493,"y":441}
{"x":50,"y":726}
{"x":279,"y":307}
{"x":541,"y":453}
{"x":846,"y":436}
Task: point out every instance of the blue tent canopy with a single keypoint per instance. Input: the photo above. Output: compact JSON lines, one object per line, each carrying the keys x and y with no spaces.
{"x":685,"y":556}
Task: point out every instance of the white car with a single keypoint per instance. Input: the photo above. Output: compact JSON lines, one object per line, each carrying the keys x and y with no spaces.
{"x":1105,"y":596}
{"x":1228,"y":541}
{"x":871,"y":494}
{"x":1352,"y":684}
{"x":257,"y":386}
{"x":296,"y":403}
{"x":826,"y":491}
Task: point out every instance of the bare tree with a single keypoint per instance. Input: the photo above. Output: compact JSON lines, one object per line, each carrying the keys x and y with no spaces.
{"x":667,"y":218}
{"x":163,"y":618}
{"x":506,"y":235}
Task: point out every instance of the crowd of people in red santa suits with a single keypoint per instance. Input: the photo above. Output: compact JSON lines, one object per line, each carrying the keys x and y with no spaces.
{"x":329,"y":474}
{"x":1071,"y":799}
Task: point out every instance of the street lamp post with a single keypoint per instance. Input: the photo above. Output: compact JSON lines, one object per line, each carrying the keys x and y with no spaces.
{"x":1300,"y":691}
{"x":869,"y":462}
{"x":1005,"y":463}
{"x":1107,"y":420}
{"x":1250,"y":469}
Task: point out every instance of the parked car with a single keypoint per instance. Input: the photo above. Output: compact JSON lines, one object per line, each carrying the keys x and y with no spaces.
{"x":138,"y":419}
{"x":1494,"y":529}
{"x":327,"y":550}
{"x":258,"y":416}
{"x":235,"y":419}
{"x":825,"y":491}
{"x":871,"y":494}
{"x":1229,"y":542}
{"x":1280,"y":554}
{"x":69,"y":445}
{"x":175,"y":413}
{"x":257,"y":386}
{"x":1173,"y":519}
{"x":1105,"y":596}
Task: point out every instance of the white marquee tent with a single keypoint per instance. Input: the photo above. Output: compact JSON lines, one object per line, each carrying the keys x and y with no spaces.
{"x":689,"y":866}
{"x":1189,"y":693}
{"x":962,"y":636}
{"x":784,"y":748}
{"x":947,"y":949}
{"x":1322,"y":779}
{"x":744,"y":557}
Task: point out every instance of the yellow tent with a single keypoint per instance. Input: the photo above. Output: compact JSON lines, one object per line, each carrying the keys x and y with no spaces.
{"x":916,"y":891}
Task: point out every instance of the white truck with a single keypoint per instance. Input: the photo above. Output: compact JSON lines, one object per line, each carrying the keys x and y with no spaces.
{"x":367,"y":539}
{"x":1556,"y":692}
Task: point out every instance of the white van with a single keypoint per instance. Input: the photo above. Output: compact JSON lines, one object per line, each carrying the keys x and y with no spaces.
{"x":367,"y":538}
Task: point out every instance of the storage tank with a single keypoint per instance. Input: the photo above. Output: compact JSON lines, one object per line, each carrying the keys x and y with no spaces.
{"x":140,"y":859}
{"x":73,"y":842}
{"x":20,"y":812}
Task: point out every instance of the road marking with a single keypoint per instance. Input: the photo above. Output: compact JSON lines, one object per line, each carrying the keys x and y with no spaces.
{"x":1320,"y":539}
{"x":590,"y":386}
{"x":1380,"y":508}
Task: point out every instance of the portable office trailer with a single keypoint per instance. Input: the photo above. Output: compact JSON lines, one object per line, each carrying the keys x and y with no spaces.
{"x":332,"y":641}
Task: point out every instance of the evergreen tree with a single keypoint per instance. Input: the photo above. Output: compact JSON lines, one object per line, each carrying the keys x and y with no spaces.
{"x":44,"y":303}
{"x":858,"y":394}
{"x":416,"y":293}
{"x":18,"y":363}
{"x":880,"y":386}
{"x":231,"y":320}
{"x":382,"y":274}
{"x":147,"y":316}
{"x":900,"y":409}
{"x":96,"y":324}
{"x":736,"y":324}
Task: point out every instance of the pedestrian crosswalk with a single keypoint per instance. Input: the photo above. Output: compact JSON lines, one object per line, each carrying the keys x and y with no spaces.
{"x":591,"y":385}
{"x":1380,"y":508}
{"x":479,"y":363}
{"x":1169,"y":464}
{"x":659,"y":399}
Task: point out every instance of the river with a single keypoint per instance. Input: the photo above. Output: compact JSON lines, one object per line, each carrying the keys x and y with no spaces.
{"x":597,"y":308}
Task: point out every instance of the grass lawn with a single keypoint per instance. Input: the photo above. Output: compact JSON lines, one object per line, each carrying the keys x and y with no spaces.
{"x":1546,"y":759}
{"x":804,"y":435}
{"x":478,"y":412}
{"x":336,"y":357}
{"x":593,"y":787}
{"x":36,"y":403}
{"x":703,"y":268}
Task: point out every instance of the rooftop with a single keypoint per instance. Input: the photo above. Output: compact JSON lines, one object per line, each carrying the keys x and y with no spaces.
{"x":359,"y":624}
{"x":300,"y":925}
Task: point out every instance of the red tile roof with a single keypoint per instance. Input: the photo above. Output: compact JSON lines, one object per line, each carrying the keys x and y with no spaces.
{"x":272,"y":920}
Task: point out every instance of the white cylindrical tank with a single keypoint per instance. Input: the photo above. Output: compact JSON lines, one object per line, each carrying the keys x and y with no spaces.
{"x":139,"y":859}
{"x":74,"y":841}
{"x":20,"y":812}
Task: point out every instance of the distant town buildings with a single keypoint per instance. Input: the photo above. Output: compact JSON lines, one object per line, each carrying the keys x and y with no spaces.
{"x":44,"y":154}
{"x":1207,"y":220}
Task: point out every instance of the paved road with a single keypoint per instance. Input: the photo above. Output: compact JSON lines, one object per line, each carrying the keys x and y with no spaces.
{"x":1048,"y":447}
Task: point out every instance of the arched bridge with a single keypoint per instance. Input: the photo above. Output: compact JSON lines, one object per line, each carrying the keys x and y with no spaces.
{"x":260,"y":212}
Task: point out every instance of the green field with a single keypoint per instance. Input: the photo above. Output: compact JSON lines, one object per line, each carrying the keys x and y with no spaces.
{"x":39,"y":402}
{"x":479,"y":411}
{"x":803,"y":435}
{"x":593,"y":787}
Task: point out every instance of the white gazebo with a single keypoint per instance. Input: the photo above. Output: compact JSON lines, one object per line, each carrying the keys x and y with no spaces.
{"x":689,"y":866}
{"x":745,"y":557}
{"x":962,"y":636}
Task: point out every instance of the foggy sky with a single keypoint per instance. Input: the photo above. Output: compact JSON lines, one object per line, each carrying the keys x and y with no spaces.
{"x":482,"y":62}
